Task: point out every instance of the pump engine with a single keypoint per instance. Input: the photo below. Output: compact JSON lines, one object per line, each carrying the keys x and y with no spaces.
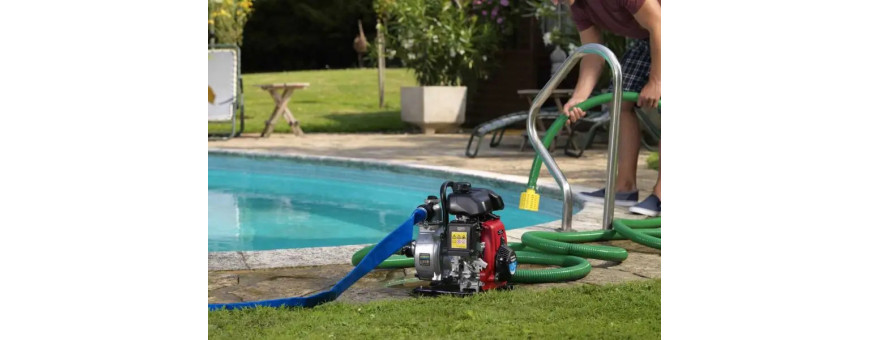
{"x":468,"y":254}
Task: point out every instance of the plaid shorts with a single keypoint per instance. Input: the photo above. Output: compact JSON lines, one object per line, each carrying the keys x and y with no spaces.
{"x":635,"y":66}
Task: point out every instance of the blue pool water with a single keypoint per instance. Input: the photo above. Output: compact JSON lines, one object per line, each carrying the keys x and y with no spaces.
{"x":266,"y":203}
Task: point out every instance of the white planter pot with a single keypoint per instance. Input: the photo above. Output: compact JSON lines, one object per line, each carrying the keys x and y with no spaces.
{"x":434,"y":108}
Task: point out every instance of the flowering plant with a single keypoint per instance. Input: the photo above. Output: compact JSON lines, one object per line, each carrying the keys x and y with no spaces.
{"x":227,"y":18}
{"x":496,"y":11}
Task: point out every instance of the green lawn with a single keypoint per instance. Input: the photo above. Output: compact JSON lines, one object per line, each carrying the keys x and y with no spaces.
{"x":631,"y":310}
{"x":336,"y":101}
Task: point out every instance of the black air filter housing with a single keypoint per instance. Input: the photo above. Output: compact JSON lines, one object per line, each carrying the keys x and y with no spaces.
{"x":474,"y":202}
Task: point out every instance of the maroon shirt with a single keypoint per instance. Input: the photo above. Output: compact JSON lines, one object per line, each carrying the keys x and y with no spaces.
{"x":616,"y":16}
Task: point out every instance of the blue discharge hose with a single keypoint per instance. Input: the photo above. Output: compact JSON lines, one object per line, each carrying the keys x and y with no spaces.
{"x":388,"y":246}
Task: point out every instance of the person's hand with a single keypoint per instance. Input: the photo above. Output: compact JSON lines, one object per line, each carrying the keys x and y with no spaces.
{"x":572,"y":112}
{"x":650,"y":94}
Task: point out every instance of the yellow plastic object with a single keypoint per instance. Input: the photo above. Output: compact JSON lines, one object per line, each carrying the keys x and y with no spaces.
{"x":529,"y":200}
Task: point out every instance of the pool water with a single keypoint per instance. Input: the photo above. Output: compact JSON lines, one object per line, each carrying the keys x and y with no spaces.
{"x":268,"y":203}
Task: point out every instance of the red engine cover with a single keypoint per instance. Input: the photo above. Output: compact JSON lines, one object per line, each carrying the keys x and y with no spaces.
{"x":493,"y":232}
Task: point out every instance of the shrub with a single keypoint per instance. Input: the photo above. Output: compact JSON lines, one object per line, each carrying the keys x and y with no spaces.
{"x":443,"y":42}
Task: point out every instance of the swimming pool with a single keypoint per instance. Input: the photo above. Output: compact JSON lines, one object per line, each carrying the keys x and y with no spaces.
{"x":257,"y":203}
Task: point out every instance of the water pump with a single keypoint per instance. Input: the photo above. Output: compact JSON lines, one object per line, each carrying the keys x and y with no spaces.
{"x":467,"y":255}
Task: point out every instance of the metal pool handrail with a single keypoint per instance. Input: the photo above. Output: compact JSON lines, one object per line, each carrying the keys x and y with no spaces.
{"x":616,"y":108}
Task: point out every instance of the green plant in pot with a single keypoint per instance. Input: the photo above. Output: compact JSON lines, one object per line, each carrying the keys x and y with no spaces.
{"x":449,"y":45}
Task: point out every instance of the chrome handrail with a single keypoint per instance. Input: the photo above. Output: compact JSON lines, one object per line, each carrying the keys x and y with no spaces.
{"x":616,"y":108}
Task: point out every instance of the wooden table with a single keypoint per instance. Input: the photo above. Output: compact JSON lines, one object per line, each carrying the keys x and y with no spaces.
{"x":557,"y":96}
{"x":281,"y":109}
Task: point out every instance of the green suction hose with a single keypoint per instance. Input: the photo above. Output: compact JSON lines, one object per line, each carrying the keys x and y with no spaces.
{"x":549,"y":248}
{"x":625,"y":227}
{"x":573,"y":268}
{"x":392,"y":262}
{"x":558,"y":243}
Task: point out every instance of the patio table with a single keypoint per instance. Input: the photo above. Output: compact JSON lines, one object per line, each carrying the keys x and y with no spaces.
{"x":281,"y":93}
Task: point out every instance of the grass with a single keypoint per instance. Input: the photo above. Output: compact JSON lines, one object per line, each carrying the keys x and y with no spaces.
{"x":652,"y":161}
{"x":336,"y":101}
{"x":630,"y":310}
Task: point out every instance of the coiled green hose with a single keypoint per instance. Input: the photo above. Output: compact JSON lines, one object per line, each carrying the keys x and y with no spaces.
{"x":573,"y":268}
{"x":392,"y":262}
{"x":625,"y":227}
{"x":550,"y":248}
{"x":569,"y":243}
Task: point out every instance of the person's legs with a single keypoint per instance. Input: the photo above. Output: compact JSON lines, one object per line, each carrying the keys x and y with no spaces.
{"x":652,"y":205}
{"x":629,"y":149}
{"x":635,"y":68}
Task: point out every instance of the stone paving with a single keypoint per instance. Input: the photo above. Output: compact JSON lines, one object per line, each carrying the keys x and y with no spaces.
{"x":583,"y":173}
